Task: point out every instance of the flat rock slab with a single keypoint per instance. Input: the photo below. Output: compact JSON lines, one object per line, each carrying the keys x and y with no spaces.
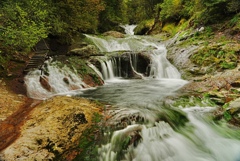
{"x":53,"y":127}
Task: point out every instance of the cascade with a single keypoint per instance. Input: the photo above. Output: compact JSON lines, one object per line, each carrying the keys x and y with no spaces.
{"x":110,"y":69}
{"x":161,"y":143}
{"x":57,"y":81}
{"x":140,"y":127}
{"x":96,"y":70}
{"x":109,"y":44}
{"x":143,"y":129}
{"x":134,"y":60}
{"x":160,"y":67}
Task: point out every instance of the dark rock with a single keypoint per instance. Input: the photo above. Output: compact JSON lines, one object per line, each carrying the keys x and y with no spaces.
{"x":66,"y":80}
{"x":236,"y":84}
{"x":80,"y":118}
{"x":44,"y":82}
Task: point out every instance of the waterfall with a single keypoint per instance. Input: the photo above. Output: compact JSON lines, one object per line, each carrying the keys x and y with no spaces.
{"x":160,"y":67}
{"x":55,"y":80}
{"x":134,"y":60}
{"x":96,"y":70}
{"x":129,"y":29}
{"x":109,"y":44}
{"x":109,"y":69}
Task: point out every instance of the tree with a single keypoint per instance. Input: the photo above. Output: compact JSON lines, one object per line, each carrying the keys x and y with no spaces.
{"x":26,"y":22}
{"x":23,"y":23}
{"x":79,"y":15}
{"x":141,"y":10}
{"x":210,"y":11}
{"x":114,"y":14}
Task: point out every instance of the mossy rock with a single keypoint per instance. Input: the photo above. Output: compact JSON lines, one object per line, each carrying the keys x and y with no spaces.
{"x":144,"y":27}
{"x":218,"y":56}
{"x":115,"y":34}
{"x":85,"y":51}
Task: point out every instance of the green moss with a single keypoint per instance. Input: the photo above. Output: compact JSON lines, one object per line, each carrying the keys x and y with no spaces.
{"x":143,"y":27}
{"x":227,"y":116}
{"x":88,"y":144}
{"x":173,"y":28}
{"x":223,"y":58}
{"x":78,"y":66}
{"x":189,"y":101}
{"x":170,"y":28}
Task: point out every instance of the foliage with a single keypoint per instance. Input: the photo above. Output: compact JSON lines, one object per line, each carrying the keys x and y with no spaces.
{"x":138,"y":11}
{"x":170,"y":28}
{"x":143,"y":27}
{"x":79,"y":15}
{"x":115,"y":13}
{"x":171,"y":10}
{"x":201,"y":12}
{"x":23,"y":23}
{"x":233,"y":6}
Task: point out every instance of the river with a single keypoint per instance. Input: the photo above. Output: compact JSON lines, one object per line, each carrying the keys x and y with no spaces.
{"x":143,"y":128}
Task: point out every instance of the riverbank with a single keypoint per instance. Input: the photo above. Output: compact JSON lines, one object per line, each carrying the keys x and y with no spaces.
{"x":14,"y":109}
{"x":209,"y":60}
{"x":10,"y":101}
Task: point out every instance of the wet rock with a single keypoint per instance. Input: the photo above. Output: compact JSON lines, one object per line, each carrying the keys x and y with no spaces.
{"x":115,"y":34}
{"x":44,"y":82}
{"x":234,"y":106}
{"x":85,"y":51}
{"x":236,"y":84}
{"x":232,"y":112}
{"x":78,"y":45}
{"x":65,"y":79}
{"x":180,"y":57}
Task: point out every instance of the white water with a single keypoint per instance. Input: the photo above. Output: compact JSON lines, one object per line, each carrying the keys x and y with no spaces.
{"x":129,"y":29}
{"x":55,"y":79}
{"x":161,"y":143}
{"x":160,"y":67}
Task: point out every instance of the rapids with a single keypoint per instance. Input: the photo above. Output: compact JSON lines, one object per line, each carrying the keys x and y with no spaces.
{"x":142,"y":128}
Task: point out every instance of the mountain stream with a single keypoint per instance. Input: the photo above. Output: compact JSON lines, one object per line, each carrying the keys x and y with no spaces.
{"x":141,"y":127}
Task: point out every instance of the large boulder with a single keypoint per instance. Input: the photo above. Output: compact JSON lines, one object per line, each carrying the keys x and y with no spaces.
{"x":53,"y":128}
{"x":115,"y":34}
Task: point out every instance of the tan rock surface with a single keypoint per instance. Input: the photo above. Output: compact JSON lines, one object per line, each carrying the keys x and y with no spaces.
{"x":53,"y":126}
{"x":9,"y":101}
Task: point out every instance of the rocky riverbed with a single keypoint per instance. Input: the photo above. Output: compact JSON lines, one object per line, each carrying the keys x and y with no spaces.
{"x":38,"y":130}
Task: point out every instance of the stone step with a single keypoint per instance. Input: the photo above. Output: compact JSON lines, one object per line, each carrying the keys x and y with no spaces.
{"x":36,"y":61}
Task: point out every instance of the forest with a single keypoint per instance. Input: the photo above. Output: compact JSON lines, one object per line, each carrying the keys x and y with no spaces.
{"x":24,"y":23}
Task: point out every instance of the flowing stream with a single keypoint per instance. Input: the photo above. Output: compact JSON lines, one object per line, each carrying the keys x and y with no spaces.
{"x":141,"y":127}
